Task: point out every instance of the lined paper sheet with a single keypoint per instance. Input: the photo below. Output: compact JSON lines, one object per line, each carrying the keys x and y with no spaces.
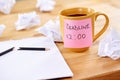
{"x":33,"y":65}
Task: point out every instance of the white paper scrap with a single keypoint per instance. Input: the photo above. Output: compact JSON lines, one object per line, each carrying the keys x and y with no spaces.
{"x":2,"y":27}
{"x":6,"y":6}
{"x":51,"y":29}
{"x":27,"y":20}
{"x":45,"y":5}
{"x":110,"y":46}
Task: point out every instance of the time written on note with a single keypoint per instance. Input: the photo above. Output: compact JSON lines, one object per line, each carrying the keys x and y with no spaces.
{"x":76,"y":28}
{"x":77,"y":32}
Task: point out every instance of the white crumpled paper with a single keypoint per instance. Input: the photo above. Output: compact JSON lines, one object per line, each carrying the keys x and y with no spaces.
{"x":110,"y":46}
{"x":27,"y":20}
{"x":51,"y":29}
{"x":6,"y":6}
{"x":45,"y":5}
{"x":2,"y":27}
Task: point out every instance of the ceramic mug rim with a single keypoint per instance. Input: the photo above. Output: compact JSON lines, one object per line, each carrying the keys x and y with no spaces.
{"x":66,"y":12}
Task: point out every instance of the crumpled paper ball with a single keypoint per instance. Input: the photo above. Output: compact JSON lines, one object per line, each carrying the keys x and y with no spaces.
{"x":2,"y":27}
{"x":110,"y":46}
{"x":51,"y":29}
{"x":27,"y":20}
{"x":6,"y":6}
{"x":45,"y":5}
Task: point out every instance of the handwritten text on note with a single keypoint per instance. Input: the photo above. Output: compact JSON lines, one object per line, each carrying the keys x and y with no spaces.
{"x":77,"y":33}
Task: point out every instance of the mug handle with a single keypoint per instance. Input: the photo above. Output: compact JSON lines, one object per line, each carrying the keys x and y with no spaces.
{"x":104,"y":27}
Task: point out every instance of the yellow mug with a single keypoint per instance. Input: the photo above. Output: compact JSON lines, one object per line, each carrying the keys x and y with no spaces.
{"x":77,"y":28}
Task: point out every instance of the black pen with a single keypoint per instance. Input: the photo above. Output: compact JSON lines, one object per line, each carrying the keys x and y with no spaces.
{"x":33,"y":49}
{"x":6,"y":51}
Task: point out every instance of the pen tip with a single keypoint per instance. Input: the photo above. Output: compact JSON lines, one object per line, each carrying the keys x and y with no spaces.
{"x":47,"y":49}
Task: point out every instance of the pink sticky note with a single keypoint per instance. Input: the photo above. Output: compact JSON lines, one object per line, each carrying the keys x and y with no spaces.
{"x":77,"y":33}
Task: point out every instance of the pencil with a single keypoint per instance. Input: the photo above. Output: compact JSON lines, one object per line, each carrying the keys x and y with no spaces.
{"x":6,"y":51}
{"x":33,"y":49}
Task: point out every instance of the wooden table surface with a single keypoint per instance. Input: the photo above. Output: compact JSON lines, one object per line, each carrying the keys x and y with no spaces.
{"x":86,"y":65}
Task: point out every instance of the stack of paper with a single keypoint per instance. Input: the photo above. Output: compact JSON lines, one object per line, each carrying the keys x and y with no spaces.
{"x":32,"y":65}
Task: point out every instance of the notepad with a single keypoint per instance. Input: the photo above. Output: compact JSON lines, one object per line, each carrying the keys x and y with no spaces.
{"x":33,"y":65}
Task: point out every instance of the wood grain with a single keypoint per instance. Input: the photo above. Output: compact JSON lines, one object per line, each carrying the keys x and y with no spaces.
{"x":86,"y":65}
